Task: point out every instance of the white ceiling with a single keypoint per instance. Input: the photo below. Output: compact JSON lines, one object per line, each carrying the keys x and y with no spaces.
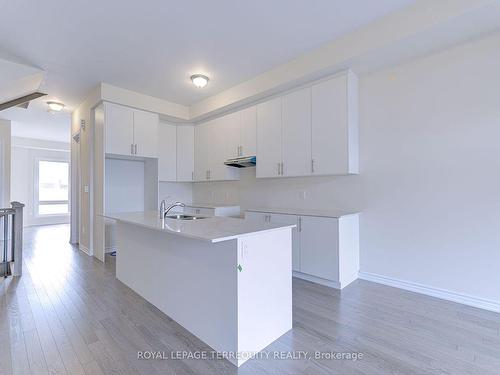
{"x":35,"y":122}
{"x":153,"y":46}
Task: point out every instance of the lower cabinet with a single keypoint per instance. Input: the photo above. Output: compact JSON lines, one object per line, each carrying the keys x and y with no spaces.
{"x":325,"y":250}
{"x":216,"y":210}
{"x":319,"y":253}
{"x":202,"y":211}
{"x":266,"y":217}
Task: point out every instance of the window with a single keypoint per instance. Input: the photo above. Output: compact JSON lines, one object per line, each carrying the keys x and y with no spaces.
{"x":53,"y":187}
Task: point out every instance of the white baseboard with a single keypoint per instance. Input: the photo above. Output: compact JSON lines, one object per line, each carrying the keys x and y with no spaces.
{"x":85,"y":250}
{"x":317,"y":280}
{"x":433,"y":292}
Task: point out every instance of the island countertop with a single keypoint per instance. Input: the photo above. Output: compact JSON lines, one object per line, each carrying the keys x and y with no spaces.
{"x":211,"y":229}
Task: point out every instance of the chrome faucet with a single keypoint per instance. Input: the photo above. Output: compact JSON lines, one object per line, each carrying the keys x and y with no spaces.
{"x":163,"y":208}
{"x":165,"y":211}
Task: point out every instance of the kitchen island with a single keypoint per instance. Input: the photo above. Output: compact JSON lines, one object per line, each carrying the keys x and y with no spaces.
{"x":226,"y":280}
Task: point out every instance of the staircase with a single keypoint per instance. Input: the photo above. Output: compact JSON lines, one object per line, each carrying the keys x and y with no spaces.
{"x":11,"y":240}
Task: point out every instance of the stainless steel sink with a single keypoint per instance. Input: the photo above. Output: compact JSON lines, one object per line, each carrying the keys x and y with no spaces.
{"x":184,"y":217}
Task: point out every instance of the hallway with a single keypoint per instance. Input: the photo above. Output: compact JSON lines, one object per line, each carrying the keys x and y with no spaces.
{"x":68,"y":314}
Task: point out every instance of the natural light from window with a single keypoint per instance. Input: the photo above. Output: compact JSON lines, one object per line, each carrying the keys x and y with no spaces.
{"x":53,"y":187}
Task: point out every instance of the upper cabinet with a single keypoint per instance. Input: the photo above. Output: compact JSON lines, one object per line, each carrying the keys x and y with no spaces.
{"x":269,"y":156}
{"x":241,"y":136}
{"x":176,"y":154}
{"x":211,"y":150}
{"x":297,"y":133}
{"x":167,"y":155}
{"x":202,"y":138}
{"x":185,"y":153}
{"x":232,"y":125}
{"x":130,"y":132}
{"x":119,"y":129}
{"x":335,"y":126}
{"x":248,"y":131}
{"x":146,"y":134}
{"x":310,"y":131}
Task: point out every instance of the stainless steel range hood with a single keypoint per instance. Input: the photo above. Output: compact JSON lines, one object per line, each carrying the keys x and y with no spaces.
{"x":244,"y":162}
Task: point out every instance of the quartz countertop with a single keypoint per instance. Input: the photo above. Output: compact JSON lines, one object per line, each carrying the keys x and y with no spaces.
{"x":335,"y":213}
{"x":211,"y":229}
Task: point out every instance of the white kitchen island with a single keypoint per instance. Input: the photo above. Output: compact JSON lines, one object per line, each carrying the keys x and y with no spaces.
{"x":226,"y":280}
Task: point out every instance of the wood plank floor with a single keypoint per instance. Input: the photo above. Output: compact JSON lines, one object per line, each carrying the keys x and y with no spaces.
{"x":69,"y":315}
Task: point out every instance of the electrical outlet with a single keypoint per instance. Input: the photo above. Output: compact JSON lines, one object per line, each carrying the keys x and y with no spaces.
{"x":86,"y":188}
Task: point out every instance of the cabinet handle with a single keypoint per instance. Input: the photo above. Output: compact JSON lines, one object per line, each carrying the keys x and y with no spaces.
{"x":279,"y":168}
{"x":312,"y":165}
{"x":135,"y":149}
{"x":300,"y":224}
{"x":192,"y":176}
{"x":209,"y":174}
{"x":131,"y":149}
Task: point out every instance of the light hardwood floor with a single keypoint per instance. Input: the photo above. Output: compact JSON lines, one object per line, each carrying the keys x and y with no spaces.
{"x":69,"y":315}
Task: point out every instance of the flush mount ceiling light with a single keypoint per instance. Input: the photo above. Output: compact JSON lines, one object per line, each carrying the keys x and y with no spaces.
{"x":55,"y":106}
{"x":199,"y":80}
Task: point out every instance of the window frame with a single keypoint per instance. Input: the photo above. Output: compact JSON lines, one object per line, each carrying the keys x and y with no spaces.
{"x":36,"y":192}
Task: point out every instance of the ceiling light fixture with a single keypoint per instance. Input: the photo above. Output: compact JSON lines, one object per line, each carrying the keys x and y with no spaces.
{"x":55,"y":106}
{"x":199,"y":80}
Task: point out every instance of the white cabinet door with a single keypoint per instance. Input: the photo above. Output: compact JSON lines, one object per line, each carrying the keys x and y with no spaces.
{"x":231,"y":135}
{"x":185,"y":153}
{"x":290,"y":219}
{"x":269,"y":138}
{"x":297,"y":133}
{"x":219,"y":129}
{"x":119,"y":129}
{"x":248,"y":143}
{"x":167,"y":156}
{"x":319,"y":240}
{"x":202,"y":155}
{"x":329,"y":127}
{"x":146,"y":134}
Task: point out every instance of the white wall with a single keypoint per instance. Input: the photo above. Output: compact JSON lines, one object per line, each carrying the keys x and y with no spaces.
{"x":124,"y":186}
{"x":81,"y":172}
{"x":5,"y":129}
{"x":5,"y":144}
{"x":429,"y":183}
{"x":176,"y":191}
{"x":25,"y":152}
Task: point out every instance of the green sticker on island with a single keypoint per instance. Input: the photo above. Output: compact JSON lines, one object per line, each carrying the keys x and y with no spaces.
{"x":239,"y":267}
